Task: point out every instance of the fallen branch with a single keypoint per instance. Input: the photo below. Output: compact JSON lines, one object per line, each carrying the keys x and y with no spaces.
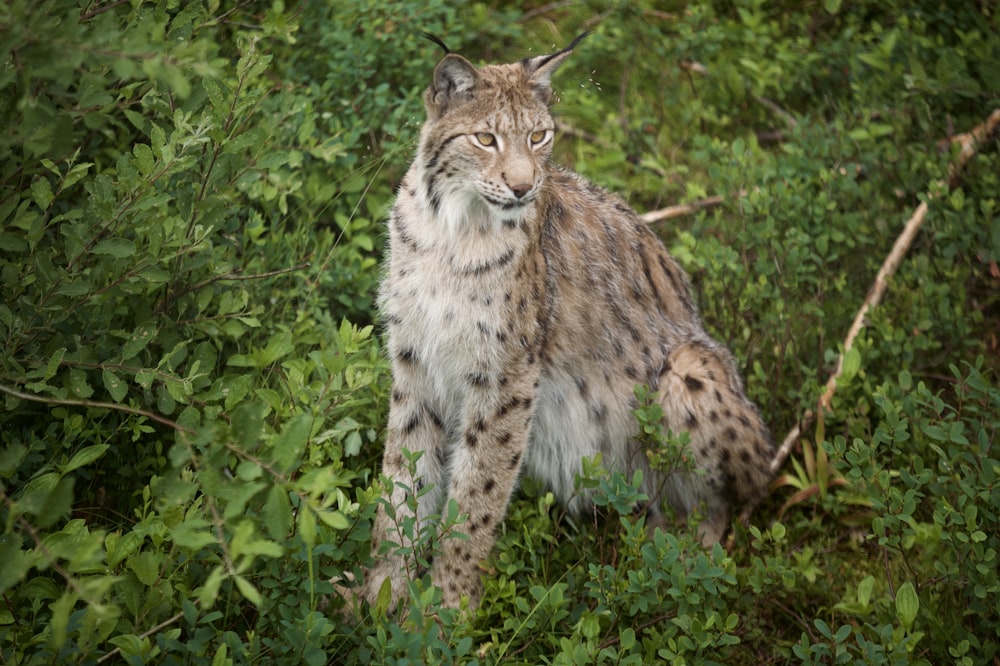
{"x":774,"y":108}
{"x":681,"y":209}
{"x":970,"y":142}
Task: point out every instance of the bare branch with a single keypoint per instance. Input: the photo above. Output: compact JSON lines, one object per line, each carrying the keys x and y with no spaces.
{"x":681,"y":209}
{"x":773,"y":107}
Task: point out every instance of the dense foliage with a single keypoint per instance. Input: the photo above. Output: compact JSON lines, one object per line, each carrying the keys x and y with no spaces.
{"x":193,"y":395}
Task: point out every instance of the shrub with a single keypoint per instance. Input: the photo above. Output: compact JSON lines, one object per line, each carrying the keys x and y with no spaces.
{"x":193,"y":389}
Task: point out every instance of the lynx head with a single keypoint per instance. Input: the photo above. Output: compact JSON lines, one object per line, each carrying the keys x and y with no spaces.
{"x":487,"y":136}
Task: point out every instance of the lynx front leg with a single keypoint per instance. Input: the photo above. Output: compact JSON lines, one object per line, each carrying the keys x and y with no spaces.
{"x":484,"y":470}
{"x":414,"y":428}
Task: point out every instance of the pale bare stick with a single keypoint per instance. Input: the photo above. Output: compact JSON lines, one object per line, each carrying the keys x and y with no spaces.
{"x":969,"y":142}
{"x":680,"y":209}
{"x":773,"y":106}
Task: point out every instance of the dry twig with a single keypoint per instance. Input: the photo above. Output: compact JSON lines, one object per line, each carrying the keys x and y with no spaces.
{"x":681,"y":209}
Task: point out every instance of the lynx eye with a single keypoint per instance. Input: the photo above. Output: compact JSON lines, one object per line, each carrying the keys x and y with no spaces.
{"x":538,"y":136}
{"x":486,"y":139}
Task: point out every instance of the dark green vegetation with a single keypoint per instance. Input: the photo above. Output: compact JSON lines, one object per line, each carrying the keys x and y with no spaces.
{"x":192,"y":396}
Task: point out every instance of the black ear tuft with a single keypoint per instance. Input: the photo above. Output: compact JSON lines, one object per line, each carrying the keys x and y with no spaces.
{"x":437,"y":40}
{"x":540,"y":68}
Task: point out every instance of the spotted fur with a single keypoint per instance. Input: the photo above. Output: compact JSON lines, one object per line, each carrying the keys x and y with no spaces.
{"x":522,"y":305}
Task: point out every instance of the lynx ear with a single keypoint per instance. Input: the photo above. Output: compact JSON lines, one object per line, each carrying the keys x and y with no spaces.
{"x":540,"y":69}
{"x":455,"y":79}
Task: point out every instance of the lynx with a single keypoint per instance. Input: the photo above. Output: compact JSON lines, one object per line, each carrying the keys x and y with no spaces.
{"x":522,"y":305}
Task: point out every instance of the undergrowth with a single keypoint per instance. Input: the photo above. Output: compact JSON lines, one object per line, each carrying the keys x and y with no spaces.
{"x":194,"y":395}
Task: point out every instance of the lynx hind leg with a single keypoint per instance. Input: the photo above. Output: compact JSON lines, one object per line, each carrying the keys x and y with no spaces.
{"x":701,"y":392}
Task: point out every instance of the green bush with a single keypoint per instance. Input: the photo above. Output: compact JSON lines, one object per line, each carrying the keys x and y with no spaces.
{"x":194,"y":396}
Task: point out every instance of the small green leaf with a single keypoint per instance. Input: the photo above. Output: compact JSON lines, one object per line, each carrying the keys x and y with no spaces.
{"x":248,"y":590}
{"x":209,"y":592}
{"x":10,"y":459}
{"x":865,"y":588}
{"x":146,"y":566}
{"x":277,"y":512}
{"x":84,"y":457}
{"x":75,"y":174}
{"x":194,"y":533}
{"x":334,"y":519}
{"x":41,"y":191}
{"x":59,"y":622}
{"x":124,"y":547}
{"x":16,"y":561}
{"x":57,"y":504}
{"x":307,"y":526}
{"x":739,"y":147}
{"x":115,"y":247}
{"x":76,"y":381}
{"x":137,"y":341}
{"x":247,"y":420}
{"x":907,"y":604}
{"x":278,"y":346}
{"x":289,"y":445}
{"x":221,"y":657}
{"x":116,"y":388}
{"x":777,"y":532}
{"x":851,"y":364}
{"x":144,"y":158}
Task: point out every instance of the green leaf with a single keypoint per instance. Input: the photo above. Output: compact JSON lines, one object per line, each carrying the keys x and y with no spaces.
{"x":57,"y":503}
{"x":124,"y":547}
{"x":289,"y":445}
{"x":248,"y":590}
{"x":10,"y":459}
{"x":144,"y":158}
{"x":137,"y":341}
{"x":221,"y":657}
{"x":865,"y":588}
{"x":247,"y":420}
{"x":16,"y":561}
{"x":77,"y":172}
{"x":334,"y":519}
{"x":115,"y":247}
{"x":218,"y":95}
{"x":59,"y":622}
{"x":85,"y":456}
{"x":146,"y":566}
{"x":851,"y":364}
{"x":116,"y":388}
{"x":194,"y":534}
{"x":209,"y":592}
{"x":279,"y":346}
{"x":236,"y":496}
{"x":41,"y":192}
{"x":52,"y":366}
{"x":277,"y":512}
{"x":76,"y":382}
{"x":307,"y":526}
{"x":907,"y":604}
{"x":777,"y":532}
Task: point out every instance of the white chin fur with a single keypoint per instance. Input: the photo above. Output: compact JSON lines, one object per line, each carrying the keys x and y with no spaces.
{"x":463,"y":212}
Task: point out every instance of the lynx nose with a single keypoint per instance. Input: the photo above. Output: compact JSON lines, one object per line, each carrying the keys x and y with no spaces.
{"x":520,"y":189}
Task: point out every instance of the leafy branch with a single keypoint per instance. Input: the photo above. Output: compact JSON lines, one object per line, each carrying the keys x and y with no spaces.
{"x":94,"y":404}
